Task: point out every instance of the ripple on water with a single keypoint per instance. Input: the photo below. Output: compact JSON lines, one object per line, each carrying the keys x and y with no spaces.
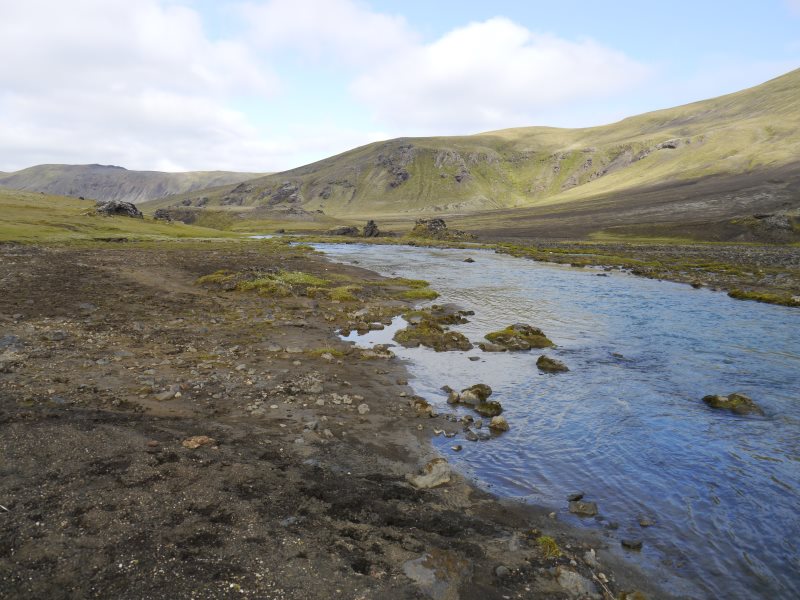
{"x":626,"y":424}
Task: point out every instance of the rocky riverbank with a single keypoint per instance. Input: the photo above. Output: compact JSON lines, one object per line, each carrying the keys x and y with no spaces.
{"x":179,"y":420}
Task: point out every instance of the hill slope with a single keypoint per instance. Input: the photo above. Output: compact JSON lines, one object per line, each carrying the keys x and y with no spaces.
{"x":101,"y":182}
{"x":33,"y":217}
{"x":755,"y":130}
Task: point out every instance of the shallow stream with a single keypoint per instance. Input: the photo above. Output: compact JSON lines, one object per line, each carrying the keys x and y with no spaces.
{"x":626,"y":425}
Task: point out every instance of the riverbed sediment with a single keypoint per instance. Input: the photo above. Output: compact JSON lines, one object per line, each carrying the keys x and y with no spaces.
{"x":164,"y":439}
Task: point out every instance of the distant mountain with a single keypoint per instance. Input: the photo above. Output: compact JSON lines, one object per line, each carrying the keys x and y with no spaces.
{"x":750,"y":133}
{"x":101,"y":182}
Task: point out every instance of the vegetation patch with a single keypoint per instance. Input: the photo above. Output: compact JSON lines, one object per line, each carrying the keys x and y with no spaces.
{"x":548,"y":546}
{"x":783,"y":300}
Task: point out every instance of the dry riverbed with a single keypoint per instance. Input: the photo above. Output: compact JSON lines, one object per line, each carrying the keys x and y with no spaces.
{"x":164,"y":438}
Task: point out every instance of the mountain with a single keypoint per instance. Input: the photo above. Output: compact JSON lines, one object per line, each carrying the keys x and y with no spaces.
{"x":101,"y":182}
{"x":740,"y":138}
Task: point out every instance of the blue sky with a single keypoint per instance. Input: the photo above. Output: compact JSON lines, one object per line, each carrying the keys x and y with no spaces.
{"x":266,"y":85}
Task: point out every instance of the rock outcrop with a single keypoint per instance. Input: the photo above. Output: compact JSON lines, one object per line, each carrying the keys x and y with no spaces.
{"x":118,"y":208}
{"x":437,"y":229}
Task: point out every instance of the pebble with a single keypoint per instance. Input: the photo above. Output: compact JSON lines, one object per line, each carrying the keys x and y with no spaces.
{"x":502,"y":571}
{"x":456,"y":448}
{"x":575,"y":496}
{"x":363,"y":409}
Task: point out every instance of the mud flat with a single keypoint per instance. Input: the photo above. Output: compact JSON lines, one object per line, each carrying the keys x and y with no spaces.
{"x":165,"y":438}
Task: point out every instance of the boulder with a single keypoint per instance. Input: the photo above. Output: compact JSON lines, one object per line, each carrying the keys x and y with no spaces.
{"x":551,"y":365}
{"x":481,"y":390}
{"x":371,"y":229}
{"x":519,"y":336}
{"x":490,"y":408}
{"x":736,"y":403}
{"x":118,"y":207}
{"x":432,"y":335}
{"x":162,"y":214}
{"x":437,"y":229}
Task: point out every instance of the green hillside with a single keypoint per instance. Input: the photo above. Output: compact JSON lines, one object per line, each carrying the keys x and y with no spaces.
{"x":29,"y":217}
{"x":755,"y":130}
{"x":102,"y":182}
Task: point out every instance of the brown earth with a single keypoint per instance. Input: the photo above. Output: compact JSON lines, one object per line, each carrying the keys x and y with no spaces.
{"x":113,"y":360}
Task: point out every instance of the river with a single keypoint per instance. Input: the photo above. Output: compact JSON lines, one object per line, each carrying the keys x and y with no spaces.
{"x":626,"y":425}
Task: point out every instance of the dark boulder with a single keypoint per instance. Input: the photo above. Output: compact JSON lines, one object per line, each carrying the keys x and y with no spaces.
{"x":118,"y":207}
{"x":162,"y":214}
{"x":371,"y":229}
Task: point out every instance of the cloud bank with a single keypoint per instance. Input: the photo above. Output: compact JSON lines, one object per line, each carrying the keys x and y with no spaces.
{"x":145,"y":85}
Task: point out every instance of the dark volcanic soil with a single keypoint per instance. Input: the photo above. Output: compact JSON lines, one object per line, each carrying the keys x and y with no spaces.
{"x":112,"y":359}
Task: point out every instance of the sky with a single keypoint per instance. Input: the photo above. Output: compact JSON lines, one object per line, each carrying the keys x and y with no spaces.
{"x":268,"y":85}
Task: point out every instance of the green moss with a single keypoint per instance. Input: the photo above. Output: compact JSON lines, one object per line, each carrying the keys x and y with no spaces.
{"x":344,"y":293}
{"x":317,"y":352}
{"x":418,"y":294}
{"x":548,"y":546}
{"x":218,"y":277}
{"x":783,"y":300}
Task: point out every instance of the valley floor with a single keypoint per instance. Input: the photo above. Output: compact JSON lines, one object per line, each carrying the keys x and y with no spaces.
{"x":163,"y":439}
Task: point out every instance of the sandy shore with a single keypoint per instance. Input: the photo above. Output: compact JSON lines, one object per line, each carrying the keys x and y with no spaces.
{"x":164,"y":439}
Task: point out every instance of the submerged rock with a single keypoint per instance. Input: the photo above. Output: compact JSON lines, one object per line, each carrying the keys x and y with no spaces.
{"x":435,"y":473}
{"x":584,"y":509}
{"x":551,"y":365}
{"x":519,"y":336}
{"x":737,"y":403}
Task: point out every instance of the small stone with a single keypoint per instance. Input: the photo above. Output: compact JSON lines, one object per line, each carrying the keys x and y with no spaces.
{"x":646,"y":522}
{"x":575,"y":496}
{"x":152,"y":444}
{"x":456,"y":448}
{"x":474,"y":358}
{"x":470,"y":435}
{"x":632,"y":544}
{"x":502,"y":571}
{"x":196,"y":441}
{"x":363,"y":409}
{"x":402,"y":382}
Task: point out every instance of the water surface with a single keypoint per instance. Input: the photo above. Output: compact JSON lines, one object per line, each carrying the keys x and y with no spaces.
{"x":626,"y":424}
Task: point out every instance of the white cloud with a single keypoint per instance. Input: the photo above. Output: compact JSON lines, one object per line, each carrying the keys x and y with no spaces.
{"x":492,"y":74}
{"x":343,"y":30}
{"x":135,"y":83}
